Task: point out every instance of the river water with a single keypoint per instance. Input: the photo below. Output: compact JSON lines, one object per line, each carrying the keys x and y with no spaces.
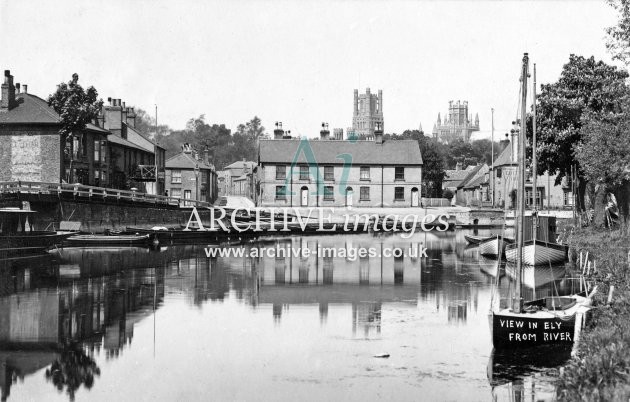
{"x":174,"y":324}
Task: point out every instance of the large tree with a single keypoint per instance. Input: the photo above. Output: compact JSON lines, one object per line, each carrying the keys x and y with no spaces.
{"x":586,"y":86}
{"x":604,"y":156}
{"x":618,"y":42}
{"x":76,"y":106}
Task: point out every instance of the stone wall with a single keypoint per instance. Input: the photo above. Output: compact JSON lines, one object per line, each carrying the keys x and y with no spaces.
{"x":30,"y":154}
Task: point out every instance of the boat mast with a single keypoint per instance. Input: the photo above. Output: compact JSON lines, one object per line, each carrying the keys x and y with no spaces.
{"x":492,"y":157}
{"x":534,"y":172}
{"x":518,"y":302}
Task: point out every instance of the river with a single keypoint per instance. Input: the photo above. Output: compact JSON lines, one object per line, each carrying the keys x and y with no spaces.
{"x":133,"y":324}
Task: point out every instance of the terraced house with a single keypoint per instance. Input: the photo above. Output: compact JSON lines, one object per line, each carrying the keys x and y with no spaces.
{"x":328,"y":172}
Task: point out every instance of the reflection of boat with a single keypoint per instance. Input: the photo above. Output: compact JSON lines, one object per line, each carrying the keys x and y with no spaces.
{"x":538,"y":252}
{"x":547,"y":321}
{"x":108,"y":240}
{"x":505,"y":366}
{"x":15,"y":238}
{"x":471,"y":239}
{"x":494,"y":245}
{"x":535,"y":277}
{"x":489,"y":266}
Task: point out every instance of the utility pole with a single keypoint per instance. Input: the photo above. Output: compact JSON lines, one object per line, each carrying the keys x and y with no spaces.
{"x":492,"y":156}
{"x":155,"y":155}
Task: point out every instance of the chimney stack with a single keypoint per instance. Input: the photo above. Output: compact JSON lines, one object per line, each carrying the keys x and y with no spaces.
{"x":25,"y":87}
{"x":131,"y":117}
{"x":324,"y":134}
{"x":378,"y":134}
{"x":278,"y":133}
{"x":17,"y":88}
{"x":8,"y":92}
{"x":112,"y":114}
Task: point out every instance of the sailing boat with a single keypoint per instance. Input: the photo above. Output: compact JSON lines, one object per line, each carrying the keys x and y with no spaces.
{"x":548,"y":321}
{"x":539,"y":243}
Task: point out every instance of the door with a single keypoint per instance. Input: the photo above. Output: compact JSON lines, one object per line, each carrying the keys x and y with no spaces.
{"x":414,"y":197}
{"x":349,"y":194}
{"x":304,"y":197}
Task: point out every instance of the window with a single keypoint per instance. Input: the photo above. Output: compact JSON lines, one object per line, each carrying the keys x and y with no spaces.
{"x":498,"y":173}
{"x":176,"y":176}
{"x":365,"y":173}
{"x":364,"y":193}
{"x":281,"y":172}
{"x":568,"y":198}
{"x":103,"y":151}
{"x":304,"y":173}
{"x":103,"y":177}
{"x":399,"y":193}
{"x":399,"y":173}
{"x":329,"y":173}
{"x":280,"y":192}
{"x":187,"y":195}
{"x":97,"y":150}
{"x":528,"y":197}
{"x":329,"y":193}
{"x":176,"y":192}
{"x":84,"y":145}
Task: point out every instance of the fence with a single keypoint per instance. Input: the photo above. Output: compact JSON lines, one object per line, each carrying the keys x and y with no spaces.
{"x":108,"y":195}
{"x":435,"y":202}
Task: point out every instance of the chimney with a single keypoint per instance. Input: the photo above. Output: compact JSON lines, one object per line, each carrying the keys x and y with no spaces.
{"x":131,"y":117}
{"x":338,"y":133}
{"x":123,"y":113}
{"x":378,"y":134}
{"x":25,"y":87}
{"x":206,"y":155}
{"x":112,"y":114}
{"x":8,"y":92}
{"x":278,"y":133}
{"x":324,"y":134}
{"x":17,"y":88}
{"x":458,"y":166}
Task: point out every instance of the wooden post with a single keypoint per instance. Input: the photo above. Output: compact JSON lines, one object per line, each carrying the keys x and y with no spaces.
{"x":610,"y":293}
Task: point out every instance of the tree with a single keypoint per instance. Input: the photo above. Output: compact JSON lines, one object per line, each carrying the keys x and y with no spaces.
{"x":76,"y":107}
{"x":618,"y":42}
{"x":145,"y":124}
{"x":585,"y":86}
{"x":604,"y":156}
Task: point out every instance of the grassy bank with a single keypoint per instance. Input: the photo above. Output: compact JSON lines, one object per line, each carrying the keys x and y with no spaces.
{"x":601,"y":371}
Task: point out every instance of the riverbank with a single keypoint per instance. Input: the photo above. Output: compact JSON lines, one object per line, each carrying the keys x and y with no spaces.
{"x":601,"y":370}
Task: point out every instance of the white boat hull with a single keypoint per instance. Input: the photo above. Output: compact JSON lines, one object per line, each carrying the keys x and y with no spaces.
{"x":538,"y":253}
{"x":492,"y":247}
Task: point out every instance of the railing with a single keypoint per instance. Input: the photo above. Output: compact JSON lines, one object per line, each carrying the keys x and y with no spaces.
{"x":435,"y":202}
{"x":65,"y":190}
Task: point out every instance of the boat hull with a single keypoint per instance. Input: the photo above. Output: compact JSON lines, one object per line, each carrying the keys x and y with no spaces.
{"x":31,"y":242}
{"x":510,"y":331}
{"x":106,"y":241}
{"x":493,"y":247}
{"x":537,"y":252}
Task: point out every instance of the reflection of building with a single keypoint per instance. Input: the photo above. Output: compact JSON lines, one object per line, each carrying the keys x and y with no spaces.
{"x":457,"y":126}
{"x":366,"y":316}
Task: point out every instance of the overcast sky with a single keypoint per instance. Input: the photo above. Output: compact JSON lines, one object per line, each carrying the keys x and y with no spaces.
{"x":298,"y":62}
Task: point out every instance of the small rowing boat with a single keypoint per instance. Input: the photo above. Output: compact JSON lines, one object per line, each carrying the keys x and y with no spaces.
{"x":108,"y":240}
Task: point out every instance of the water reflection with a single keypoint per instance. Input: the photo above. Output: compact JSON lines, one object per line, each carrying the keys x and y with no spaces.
{"x":70,"y":315}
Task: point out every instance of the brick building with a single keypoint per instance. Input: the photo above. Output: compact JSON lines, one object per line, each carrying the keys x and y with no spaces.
{"x":31,"y":148}
{"x":367,"y":115}
{"x":457,"y":125}
{"x":327,"y":173}
{"x":135,"y":160}
{"x":108,"y":153}
{"x":238,"y":179}
{"x":191,"y":177}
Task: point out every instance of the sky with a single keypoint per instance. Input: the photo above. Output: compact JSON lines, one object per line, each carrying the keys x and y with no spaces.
{"x":299,"y":62}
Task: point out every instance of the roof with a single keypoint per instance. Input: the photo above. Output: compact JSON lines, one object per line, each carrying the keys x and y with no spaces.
{"x":121,"y":141}
{"x":30,"y":109}
{"x":471,"y":175}
{"x":185,"y":161}
{"x":240,"y":165}
{"x":476,"y":182}
{"x":128,"y":127}
{"x":391,"y":152}
{"x":504,"y":158}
